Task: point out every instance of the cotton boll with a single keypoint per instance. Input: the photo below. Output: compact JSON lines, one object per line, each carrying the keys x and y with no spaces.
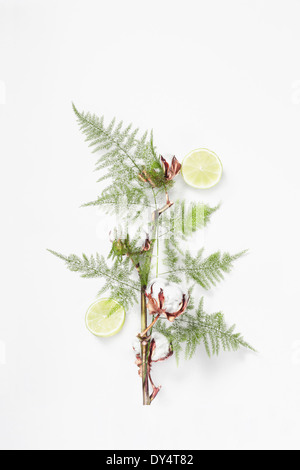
{"x":136,"y":344}
{"x":156,"y":284}
{"x":162,"y":346}
{"x":172,"y":293}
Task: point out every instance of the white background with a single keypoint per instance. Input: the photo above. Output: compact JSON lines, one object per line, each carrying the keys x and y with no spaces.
{"x":222,"y":75}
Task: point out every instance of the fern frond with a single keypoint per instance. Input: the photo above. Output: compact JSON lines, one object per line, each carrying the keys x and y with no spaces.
{"x":117,"y":278}
{"x":189,"y":331}
{"x":171,"y":261}
{"x":129,"y":205}
{"x":204,"y":271}
{"x":124,"y":158}
{"x":207,"y":272}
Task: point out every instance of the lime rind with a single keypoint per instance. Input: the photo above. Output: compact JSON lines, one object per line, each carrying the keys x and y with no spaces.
{"x":105,"y":317}
{"x":202,"y":168}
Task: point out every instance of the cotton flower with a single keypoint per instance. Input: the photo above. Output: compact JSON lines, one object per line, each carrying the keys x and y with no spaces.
{"x":160,"y":351}
{"x":162,"y":348}
{"x":167,"y":298}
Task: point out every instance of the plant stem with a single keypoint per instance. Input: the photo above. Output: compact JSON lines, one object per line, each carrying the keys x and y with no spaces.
{"x":150,"y":326}
{"x":145,"y":382}
{"x":145,"y":342}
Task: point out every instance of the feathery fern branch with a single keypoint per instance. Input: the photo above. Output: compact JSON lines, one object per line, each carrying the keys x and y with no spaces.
{"x":189,"y":331}
{"x":117,"y":279}
{"x":205,"y":272}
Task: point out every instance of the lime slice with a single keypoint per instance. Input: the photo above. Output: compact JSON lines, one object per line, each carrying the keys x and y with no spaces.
{"x":201,"y":169}
{"x":105,"y":317}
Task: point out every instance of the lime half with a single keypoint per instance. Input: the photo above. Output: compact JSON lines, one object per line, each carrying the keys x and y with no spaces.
{"x":105,"y":317}
{"x":201,"y":169}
